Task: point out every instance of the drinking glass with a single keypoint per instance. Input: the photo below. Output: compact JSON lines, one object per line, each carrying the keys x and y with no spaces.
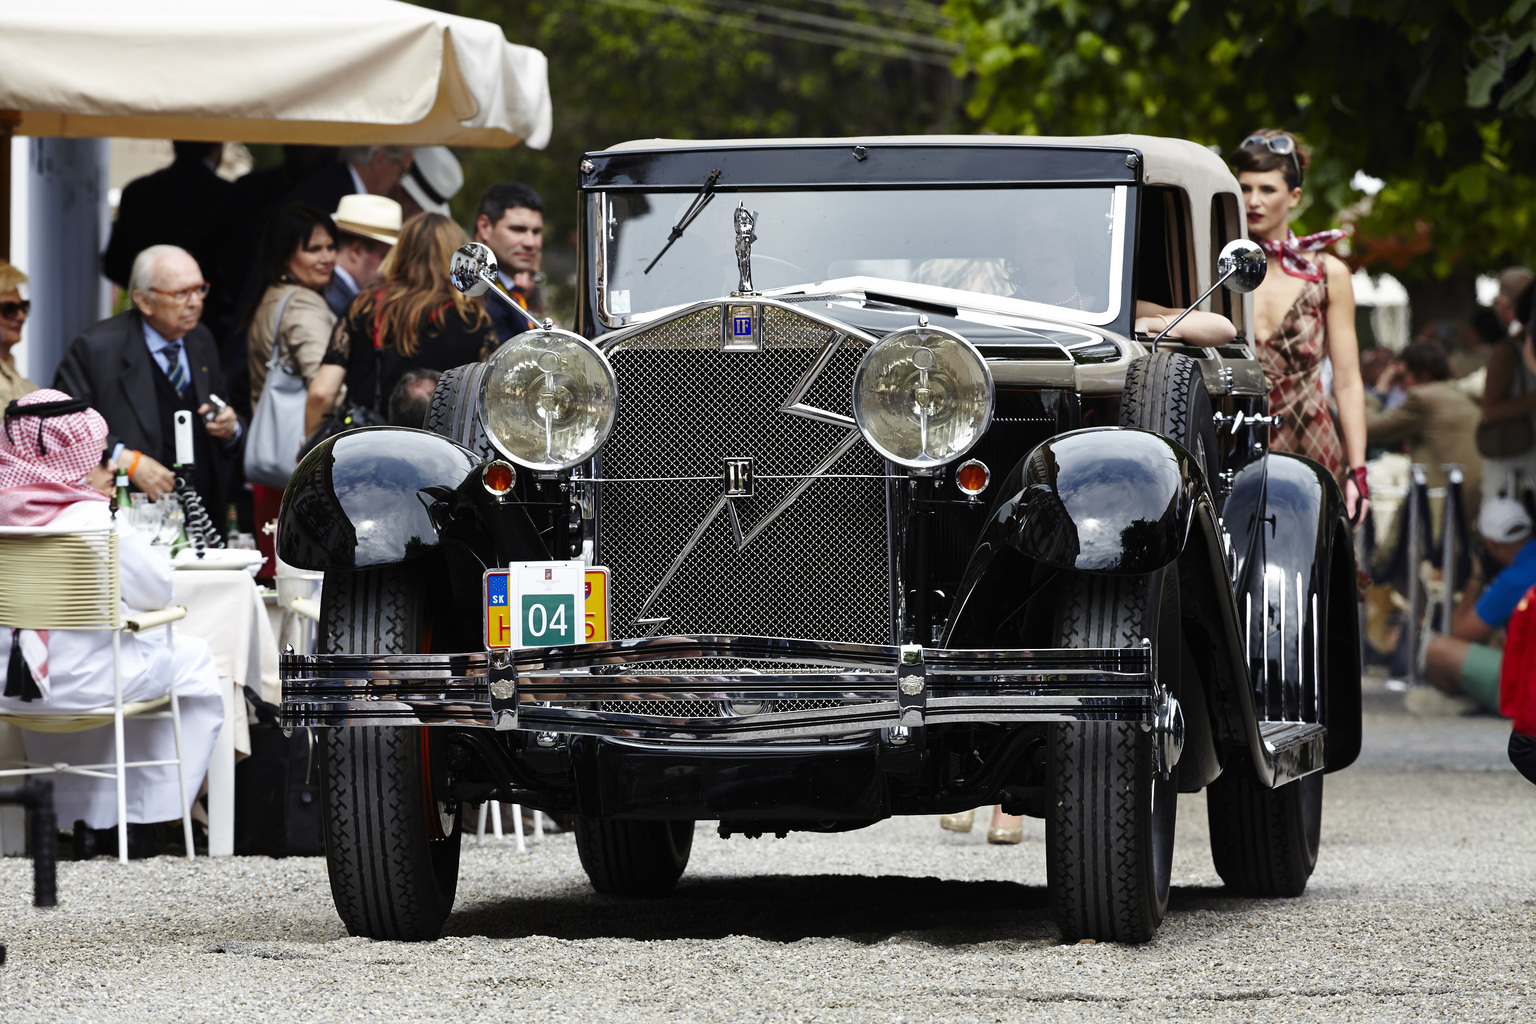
{"x":172,"y":517}
{"x":145,"y":517}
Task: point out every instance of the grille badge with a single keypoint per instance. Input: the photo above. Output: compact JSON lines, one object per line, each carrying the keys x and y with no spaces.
{"x":739,"y":477}
{"x":741,"y":327}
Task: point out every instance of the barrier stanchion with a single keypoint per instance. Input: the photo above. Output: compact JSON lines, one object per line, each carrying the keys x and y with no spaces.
{"x":1417,"y":499}
{"x":1450,"y":515}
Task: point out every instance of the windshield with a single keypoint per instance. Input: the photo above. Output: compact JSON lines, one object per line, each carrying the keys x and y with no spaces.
{"x":1056,"y":247}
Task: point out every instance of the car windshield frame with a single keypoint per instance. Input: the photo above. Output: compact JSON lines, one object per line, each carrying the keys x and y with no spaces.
{"x":601,"y":217}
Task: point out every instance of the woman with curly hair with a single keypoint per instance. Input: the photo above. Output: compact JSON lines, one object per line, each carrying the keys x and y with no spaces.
{"x":1303,"y":312}
{"x":411,"y":317}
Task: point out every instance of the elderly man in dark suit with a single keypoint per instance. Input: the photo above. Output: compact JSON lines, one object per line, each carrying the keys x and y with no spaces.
{"x":140,"y":367}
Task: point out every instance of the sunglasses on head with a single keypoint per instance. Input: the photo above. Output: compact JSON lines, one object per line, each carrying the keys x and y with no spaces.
{"x":10,"y":309}
{"x":1280,"y":145}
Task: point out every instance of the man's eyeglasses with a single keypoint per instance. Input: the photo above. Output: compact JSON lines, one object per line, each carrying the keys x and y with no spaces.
{"x":185,"y":295}
{"x":9,"y":310}
{"x":1280,"y":145}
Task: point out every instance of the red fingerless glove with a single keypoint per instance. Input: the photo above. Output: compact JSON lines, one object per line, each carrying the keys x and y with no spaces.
{"x":1361,"y":484}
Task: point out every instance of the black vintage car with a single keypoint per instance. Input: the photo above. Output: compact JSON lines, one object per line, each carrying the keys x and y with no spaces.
{"x":867,"y":500}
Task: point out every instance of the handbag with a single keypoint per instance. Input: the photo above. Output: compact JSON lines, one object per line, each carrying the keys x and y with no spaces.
{"x":277,"y":424}
{"x":277,"y":788}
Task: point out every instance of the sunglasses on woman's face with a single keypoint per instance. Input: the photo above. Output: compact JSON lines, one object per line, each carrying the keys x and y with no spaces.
{"x":1280,"y":145}
{"x":10,"y":310}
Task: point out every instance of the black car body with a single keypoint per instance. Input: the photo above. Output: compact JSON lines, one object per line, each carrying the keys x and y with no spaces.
{"x":810,"y":626}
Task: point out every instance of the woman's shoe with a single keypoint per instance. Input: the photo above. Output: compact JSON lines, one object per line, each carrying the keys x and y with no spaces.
{"x":961,"y":822}
{"x":1006,"y":830}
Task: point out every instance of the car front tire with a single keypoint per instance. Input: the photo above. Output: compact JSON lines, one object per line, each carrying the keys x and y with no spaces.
{"x":391,"y":847}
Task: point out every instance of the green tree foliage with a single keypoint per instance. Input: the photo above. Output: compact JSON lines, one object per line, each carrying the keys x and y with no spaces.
{"x":1437,"y":97}
{"x":637,"y":69}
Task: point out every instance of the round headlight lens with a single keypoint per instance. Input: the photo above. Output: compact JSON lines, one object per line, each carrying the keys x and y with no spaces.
{"x":549,"y":399}
{"x":922,"y":397}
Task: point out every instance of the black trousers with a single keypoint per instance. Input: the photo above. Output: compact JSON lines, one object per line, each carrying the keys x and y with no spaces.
{"x":1522,"y":754}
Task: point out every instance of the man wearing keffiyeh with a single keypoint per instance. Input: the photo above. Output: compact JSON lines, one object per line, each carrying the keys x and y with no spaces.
{"x":47,"y":456}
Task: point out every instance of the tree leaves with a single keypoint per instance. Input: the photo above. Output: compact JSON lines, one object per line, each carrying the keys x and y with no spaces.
{"x":1405,"y":90}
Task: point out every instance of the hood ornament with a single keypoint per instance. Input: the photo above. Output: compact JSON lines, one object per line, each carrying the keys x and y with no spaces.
{"x":745,"y":236}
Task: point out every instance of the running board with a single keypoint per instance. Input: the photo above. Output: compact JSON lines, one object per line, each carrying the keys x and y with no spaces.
{"x":1292,"y":749}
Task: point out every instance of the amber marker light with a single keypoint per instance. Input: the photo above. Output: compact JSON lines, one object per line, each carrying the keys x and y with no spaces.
{"x":972,"y":477}
{"x":498,"y":477}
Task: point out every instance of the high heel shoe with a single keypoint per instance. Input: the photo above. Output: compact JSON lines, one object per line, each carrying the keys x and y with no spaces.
{"x":961,"y":822}
{"x":1006,"y":830}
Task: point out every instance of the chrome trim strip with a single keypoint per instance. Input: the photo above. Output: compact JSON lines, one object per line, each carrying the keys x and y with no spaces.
{"x":614,"y":339}
{"x":682,"y":556}
{"x":792,"y":404}
{"x":965,"y":685}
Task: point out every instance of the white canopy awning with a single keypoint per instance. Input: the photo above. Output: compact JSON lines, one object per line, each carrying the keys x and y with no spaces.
{"x":330,"y":72}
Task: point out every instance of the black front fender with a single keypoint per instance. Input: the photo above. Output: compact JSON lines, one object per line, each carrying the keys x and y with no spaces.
{"x":1288,"y":524}
{"x":1107,"y":500}
{"x":366,"y":498}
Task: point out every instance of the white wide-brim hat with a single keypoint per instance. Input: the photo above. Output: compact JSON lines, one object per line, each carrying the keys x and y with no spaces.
{"x":375,"y":217}
{"x":434,"y":178}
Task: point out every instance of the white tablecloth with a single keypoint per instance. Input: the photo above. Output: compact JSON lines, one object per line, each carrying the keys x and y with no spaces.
{"x":226,"y":611}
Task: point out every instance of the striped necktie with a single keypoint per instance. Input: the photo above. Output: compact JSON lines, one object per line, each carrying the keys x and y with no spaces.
{"x":177,"y":373}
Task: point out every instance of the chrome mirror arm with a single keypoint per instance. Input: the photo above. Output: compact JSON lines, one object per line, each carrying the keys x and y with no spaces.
{"x":1175,"y":321}
{"x":473,"y":272}
{"x":1242,"y":265}
{"x":495,"y":288}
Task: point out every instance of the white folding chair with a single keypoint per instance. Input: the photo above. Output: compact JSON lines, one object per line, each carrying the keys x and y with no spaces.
{"x":71,"y":580}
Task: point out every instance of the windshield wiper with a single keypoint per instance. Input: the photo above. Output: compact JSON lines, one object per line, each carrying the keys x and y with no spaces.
{"x":694,"y":209}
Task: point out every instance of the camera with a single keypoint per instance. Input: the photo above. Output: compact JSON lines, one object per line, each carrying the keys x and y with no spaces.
{"x":216,"y":405}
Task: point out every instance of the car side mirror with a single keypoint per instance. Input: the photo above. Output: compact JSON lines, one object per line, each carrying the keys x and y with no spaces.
{"x":1241,"y":266}
{"x":473,"y":267}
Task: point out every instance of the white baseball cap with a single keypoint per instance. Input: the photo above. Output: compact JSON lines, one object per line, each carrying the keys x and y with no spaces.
{"x":434,"y":178}
{"x":1504,"y":521}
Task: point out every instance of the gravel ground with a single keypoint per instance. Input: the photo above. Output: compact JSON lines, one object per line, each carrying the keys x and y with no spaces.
{"x":1423,"y":907}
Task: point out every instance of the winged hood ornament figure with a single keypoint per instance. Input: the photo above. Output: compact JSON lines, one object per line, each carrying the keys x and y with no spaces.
{"x":745,"y":236}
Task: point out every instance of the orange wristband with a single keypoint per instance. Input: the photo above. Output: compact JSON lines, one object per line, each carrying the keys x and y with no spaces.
{"x":133,"y":467}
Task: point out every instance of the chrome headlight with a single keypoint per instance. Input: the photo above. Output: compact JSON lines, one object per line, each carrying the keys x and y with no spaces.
{"x":922,"y":397}
{"x":549,"y":399}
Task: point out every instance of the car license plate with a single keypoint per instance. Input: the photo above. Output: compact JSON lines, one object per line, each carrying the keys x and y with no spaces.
{"x":545,"y":604}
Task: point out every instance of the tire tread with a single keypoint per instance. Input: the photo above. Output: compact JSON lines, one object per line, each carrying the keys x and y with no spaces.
{"x":633,"y":858}
{"x":388,"y":880}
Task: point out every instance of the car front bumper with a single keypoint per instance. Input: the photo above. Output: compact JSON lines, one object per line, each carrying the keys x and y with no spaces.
{"x":588,"y":689}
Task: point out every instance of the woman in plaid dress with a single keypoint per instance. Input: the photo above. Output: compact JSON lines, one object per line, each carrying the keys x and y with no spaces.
{"x":1304,"y":311}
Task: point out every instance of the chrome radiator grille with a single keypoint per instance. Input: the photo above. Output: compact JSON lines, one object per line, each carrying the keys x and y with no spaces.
{"x":817,"y":571}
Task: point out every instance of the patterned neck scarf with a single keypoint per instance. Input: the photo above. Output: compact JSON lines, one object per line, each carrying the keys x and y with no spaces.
{"x":1291,"y":252}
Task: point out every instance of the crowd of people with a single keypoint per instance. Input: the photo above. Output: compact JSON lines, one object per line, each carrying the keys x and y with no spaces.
{"x":331,"y":266}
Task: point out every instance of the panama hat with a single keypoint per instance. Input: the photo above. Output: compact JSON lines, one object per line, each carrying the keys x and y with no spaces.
{"x":434,"y":178}
{"x":375,"y":217}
